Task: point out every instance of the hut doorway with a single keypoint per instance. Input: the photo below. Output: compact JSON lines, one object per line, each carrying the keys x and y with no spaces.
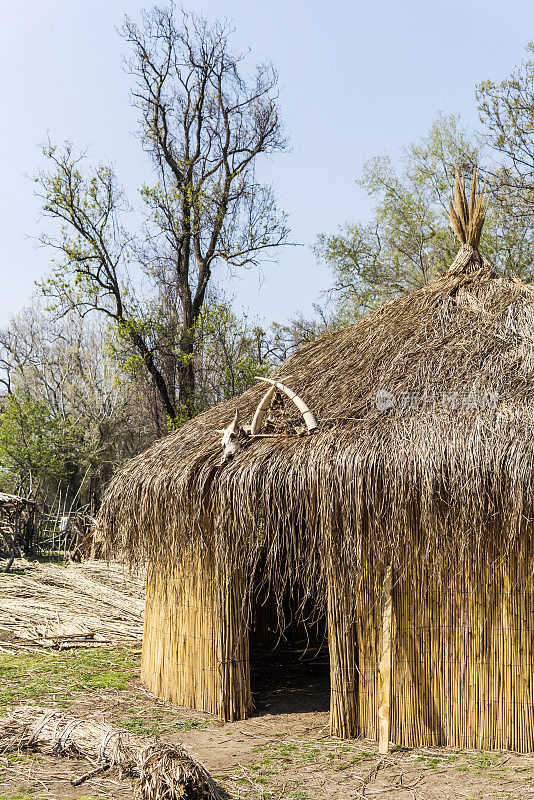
{"x":289,"y":661}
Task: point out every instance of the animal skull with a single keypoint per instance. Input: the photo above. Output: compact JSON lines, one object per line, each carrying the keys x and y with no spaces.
{"x":231,"y":439}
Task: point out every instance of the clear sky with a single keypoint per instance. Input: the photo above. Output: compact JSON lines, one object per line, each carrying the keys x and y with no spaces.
{"x":357,"y":78}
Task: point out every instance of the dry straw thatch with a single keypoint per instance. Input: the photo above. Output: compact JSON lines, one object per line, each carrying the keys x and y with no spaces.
{"x":437,"y":485}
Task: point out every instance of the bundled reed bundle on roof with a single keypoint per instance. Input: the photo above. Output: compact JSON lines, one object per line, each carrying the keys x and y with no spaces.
{"x":422,"y":463}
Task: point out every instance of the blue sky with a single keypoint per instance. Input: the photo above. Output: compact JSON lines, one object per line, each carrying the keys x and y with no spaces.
{"x":356,"y":79}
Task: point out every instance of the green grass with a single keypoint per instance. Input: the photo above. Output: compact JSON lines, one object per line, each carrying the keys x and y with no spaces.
{"x":64,"y":675}
{"x":483,"y":764}
{"x":157,"y":724}
{"x":435,"y":761}
{"x":20,"y":758}
{"x":27,"y":794}
{"x":485,"y":761}
{"x":281,"y":757}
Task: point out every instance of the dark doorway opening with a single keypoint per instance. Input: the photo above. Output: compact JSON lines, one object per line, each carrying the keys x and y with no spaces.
{"x":289,"y":666}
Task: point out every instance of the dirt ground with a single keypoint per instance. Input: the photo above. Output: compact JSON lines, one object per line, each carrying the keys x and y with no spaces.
{"x":283,"y":751}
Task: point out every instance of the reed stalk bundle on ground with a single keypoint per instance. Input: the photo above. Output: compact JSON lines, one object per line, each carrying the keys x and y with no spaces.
{"x":421,"y":468}
{"x":160,"y":771}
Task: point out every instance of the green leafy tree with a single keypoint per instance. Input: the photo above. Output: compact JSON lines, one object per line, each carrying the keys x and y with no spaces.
{"x":66,"y":367}
{"x":285,"y":338}
{"x":37,"y":450}
{"x":507,"y":113}
{"x":409,"y":240}
{"x":230,"y":353}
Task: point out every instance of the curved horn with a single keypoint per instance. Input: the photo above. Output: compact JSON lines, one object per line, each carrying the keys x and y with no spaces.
{"x":259,"y":414}
{"x":261,"y":410}
{"x":309,"y":419}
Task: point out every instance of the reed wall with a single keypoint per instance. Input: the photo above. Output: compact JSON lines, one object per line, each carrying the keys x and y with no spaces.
{"x":233,"y":661}
{"x":462,"y":654}
{"x":462,"y":648}
{"x":195,"y":652}
{"x":342,"y":647}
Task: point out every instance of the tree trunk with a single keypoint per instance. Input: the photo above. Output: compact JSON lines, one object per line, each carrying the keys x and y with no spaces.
{"x":186,"y":375}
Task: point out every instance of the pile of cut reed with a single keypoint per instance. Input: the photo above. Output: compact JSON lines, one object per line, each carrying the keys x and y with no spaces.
{"x":104,"y":599}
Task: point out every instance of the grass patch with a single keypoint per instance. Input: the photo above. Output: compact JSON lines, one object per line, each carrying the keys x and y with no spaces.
{"x":27,"y":794}
{"x":278,"y":757}
{"x":20,"y":758}
{"x":63,"y":675}
{"x":483,"y":764}
{"x":158,"y":724}
{"x":431,"y":762}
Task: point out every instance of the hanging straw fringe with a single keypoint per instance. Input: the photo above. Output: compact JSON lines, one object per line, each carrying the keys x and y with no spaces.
{"x":160,"y":771}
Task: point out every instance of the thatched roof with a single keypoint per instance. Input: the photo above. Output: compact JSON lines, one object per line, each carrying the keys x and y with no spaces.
{"x":12,"y":502}
{"x":450,"y":459}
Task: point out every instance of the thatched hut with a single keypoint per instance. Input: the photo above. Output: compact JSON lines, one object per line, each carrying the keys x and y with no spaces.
{"x":407,"y":516}
{"x":17,"y":527}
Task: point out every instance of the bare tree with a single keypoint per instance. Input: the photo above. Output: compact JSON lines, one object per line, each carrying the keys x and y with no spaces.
{"x":204,"y":122}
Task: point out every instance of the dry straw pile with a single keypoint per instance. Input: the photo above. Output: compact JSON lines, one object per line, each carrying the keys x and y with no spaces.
{"x":437,"y":487}
{"x":103,"y":600}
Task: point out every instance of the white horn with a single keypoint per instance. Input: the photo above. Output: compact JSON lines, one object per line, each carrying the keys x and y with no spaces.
{"x":309,"y":419}
{"x":263,"y":405}
{"x":261,"y":410}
